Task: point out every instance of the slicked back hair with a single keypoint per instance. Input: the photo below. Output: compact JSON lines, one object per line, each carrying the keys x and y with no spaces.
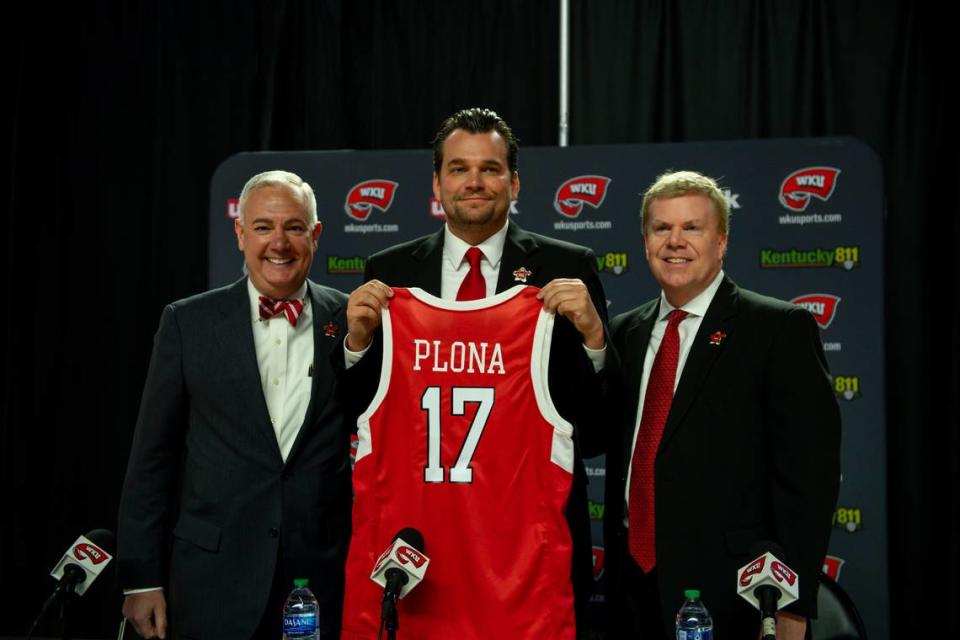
{"x":476,"y":120}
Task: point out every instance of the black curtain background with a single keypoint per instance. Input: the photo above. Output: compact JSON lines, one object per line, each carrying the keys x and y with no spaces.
{"x":117,"y":114}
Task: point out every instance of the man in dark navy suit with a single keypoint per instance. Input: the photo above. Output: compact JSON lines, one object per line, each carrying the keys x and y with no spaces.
{"x":726,"y":431}
{"x":239,"y":476}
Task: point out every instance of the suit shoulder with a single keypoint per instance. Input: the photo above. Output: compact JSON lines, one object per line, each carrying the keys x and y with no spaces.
{"x":628,"y":318}
{"x":546,"y":243}
{"x":753,"y":301}
{"x":780,"y":317}
{"x":328,"y":294}
{"x":400,"y":251}
{"x":200,"y":302}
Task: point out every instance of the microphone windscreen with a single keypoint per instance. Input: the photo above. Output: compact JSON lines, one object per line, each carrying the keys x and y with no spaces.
{"x":104,"y":539}
{"x":412,"y":537}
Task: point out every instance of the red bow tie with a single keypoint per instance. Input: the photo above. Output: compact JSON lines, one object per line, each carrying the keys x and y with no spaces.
{"x":289,"y":308}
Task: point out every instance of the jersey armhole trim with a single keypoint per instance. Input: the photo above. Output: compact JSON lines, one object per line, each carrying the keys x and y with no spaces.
{"x":364,"y":446}
{"x":561,"y":449}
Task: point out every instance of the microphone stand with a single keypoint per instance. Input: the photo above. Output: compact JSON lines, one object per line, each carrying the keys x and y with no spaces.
{"x":64,"y":595}
{"x":388,"y":613}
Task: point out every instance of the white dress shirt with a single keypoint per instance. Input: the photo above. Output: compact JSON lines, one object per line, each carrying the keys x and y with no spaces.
{"x":285,"y":360}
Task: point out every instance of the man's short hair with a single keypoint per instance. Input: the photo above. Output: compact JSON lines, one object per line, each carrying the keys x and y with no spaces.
{"x":476,"y":120}
{"x":277,"y":178}
{"x":674,"y":184}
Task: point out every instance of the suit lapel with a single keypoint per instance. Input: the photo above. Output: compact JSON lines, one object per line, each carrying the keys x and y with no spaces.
{"x":636,"y":339}
{"x":235,"y":332}
{"x":720,"y":318}
{"x":519,"y":251}
{"x":429,"y":255}
{"x":323,"y":310}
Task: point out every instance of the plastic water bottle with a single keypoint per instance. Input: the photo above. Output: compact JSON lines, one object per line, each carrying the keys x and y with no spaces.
{"x":300,"y":613}
{"x":693,"y":620}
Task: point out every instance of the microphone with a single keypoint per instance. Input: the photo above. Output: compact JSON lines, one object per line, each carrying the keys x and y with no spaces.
{"x":768,"y":585}
{"x":401,"y":567}
{"x":84,"y":561}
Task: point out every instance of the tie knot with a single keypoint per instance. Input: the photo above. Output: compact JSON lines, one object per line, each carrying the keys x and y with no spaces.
{"x":676,"y":316}
{"x":291,"y":309}
{"x":474,"y":255}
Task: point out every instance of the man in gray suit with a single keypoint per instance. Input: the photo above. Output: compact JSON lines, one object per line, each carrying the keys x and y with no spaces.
{"x":239,"y":477}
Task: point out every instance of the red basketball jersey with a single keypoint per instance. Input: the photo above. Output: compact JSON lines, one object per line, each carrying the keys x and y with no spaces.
{"x":462,"y":442}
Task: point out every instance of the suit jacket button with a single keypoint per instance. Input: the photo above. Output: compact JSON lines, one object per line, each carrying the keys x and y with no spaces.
{"x":273,"y":532}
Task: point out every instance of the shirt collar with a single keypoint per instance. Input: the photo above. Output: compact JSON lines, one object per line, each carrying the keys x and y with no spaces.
{"x":698,"y":305}
{"x":454,"y":249}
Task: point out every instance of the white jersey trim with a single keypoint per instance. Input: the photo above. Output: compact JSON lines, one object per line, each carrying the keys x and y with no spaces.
{"x":561,"y":450}
{"x":364,"y":446}
{"x":465,"y":305}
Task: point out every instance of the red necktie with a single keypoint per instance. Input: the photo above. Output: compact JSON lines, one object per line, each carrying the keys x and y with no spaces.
{"x":656,"y":408}
{"x":289,"y":308}
{"x":474,"y":286}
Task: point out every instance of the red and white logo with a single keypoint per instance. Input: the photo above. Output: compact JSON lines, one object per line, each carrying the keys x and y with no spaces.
{"x":823,"y":306}
{"x":367,"y":195}
{"x":754,"y":568}
{"x":233,"y":208}
{"x":87,"y":551}
{"x":799,"y":186}
{"x":573,"y":193}
{"x":407,"y":554}
{"x":783,"y":573}
{"x":598,"y":558}
{"x":832,"y":565}
{"x":436,"y":209}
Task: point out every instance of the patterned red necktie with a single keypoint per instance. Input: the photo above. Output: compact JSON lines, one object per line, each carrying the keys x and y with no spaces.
{"x":656,"y":408}
{"x":474,"y":286}
{"x":289,"y":308}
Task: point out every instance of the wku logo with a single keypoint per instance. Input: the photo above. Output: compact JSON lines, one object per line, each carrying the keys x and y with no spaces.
{"x":409,"y":554}
{"x":573,"y":193}
{"x":362,"y":197}
{"x":797,"y":188}
{"x":598,"y":557}
{"x":823,"y":306}
{"x":782,"y":572}
{"x":755,"y":567}
{"x":87,"y":551}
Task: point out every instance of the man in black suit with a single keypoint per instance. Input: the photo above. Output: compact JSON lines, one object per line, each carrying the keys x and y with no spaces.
{"x":476,"y":178}
{"x":239,"y":476}
{"x":728,"y":432}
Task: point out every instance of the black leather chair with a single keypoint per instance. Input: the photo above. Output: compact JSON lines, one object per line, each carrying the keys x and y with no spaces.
{"x":837,"y":616}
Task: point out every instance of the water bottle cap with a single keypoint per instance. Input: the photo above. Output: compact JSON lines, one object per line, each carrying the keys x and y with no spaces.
{"x":300,"y":583}
{"x":692,"y":594}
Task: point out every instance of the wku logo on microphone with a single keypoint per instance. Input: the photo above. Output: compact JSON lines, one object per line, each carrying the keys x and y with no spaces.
{"x":755,"y":567}
{"x":409,"y":554}
{"x":823,"y":306}
{"x":89,"y":552}
{"x":797,"y":187}
{"x":371,"y":194}
{"x":782,"y":572}
{"x":573,"y":193}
